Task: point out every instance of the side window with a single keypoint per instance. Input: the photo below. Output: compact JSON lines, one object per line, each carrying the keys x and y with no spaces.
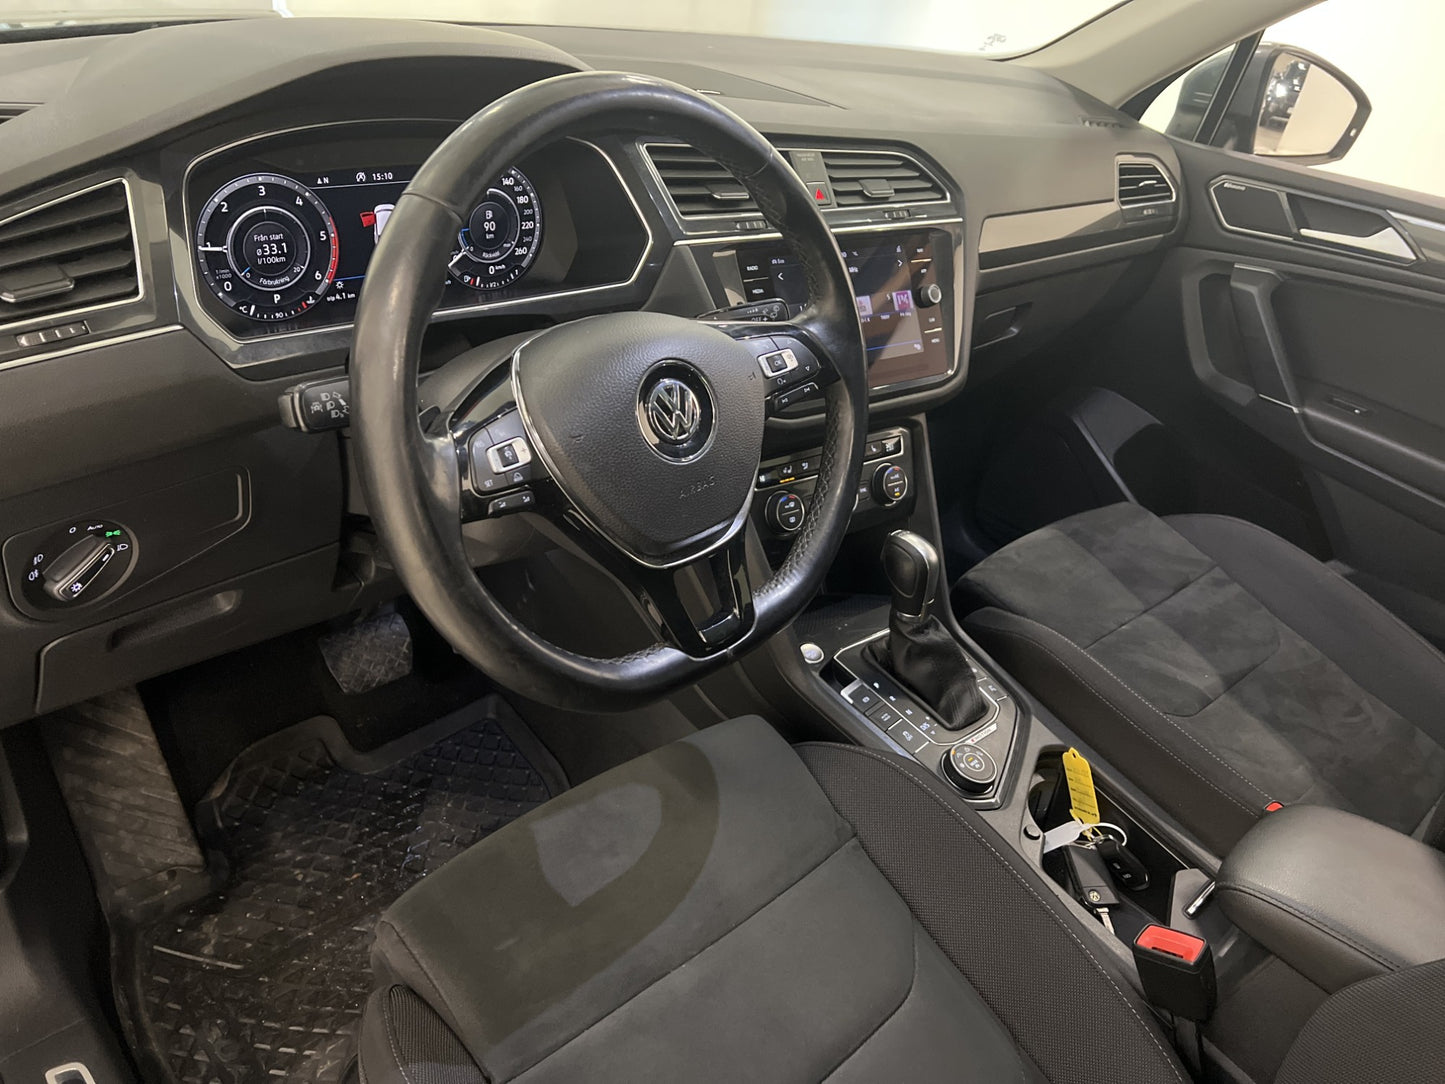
{"x":1321,"y":91}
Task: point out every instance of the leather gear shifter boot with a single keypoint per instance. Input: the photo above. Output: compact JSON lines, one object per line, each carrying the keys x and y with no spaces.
{"x":919,"y":650}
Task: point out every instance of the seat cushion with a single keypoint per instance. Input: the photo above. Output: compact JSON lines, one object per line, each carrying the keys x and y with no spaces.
{"x":704,"y":913}
{"x":1218,"y":667}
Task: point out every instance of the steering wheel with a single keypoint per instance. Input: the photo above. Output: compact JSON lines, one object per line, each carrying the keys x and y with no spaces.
{"x":639,"y":433}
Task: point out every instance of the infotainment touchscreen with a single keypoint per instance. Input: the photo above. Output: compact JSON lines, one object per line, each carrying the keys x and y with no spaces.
{"x":896,"y":287}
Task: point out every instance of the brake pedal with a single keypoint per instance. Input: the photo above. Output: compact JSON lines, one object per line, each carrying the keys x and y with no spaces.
{"x":368,"y":655}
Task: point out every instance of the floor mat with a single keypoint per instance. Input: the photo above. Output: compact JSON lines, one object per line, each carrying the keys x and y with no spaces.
{"x":266,"y":980}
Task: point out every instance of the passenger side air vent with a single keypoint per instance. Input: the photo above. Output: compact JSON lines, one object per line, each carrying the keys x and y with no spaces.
{"x":866,"y":178}
{"x":73,"y":253}
{"x":1142,"y":182}
{"x":698,"y":185}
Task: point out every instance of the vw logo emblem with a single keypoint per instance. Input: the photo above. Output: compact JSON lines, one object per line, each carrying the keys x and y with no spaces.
{"x":673,"y":411}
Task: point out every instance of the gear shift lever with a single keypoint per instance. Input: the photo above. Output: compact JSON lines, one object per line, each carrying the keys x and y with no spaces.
{"x":919,"y":650}
{"x":911,"y":564}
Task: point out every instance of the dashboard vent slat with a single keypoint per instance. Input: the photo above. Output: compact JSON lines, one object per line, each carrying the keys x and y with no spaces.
{"x":1142,"y":183}
{"x":72,"y":253}
{"x":866,"y":178}
{"x":698,"y":185}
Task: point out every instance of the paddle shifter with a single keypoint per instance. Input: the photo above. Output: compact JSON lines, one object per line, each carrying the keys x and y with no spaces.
{"x":919,"y":650}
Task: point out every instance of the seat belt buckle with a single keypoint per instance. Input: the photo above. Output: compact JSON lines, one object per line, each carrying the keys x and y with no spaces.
{"x":1177,"y":970}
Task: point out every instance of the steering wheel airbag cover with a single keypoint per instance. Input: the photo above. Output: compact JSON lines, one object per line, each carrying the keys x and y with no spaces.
{"x":582,"y":388}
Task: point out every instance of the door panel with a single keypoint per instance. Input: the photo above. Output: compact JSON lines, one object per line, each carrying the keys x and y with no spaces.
{"x":1314,"y":310}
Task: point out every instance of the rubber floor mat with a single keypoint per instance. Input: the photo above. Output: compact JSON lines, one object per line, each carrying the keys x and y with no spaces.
{"x":266,"y":980}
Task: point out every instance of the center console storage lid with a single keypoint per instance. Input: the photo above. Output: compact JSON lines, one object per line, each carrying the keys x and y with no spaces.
{"x":1337,"y":897}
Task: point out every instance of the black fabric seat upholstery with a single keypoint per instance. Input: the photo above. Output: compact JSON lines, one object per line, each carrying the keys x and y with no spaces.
{"x":1218,"y":667}
{"x":727,"y":910}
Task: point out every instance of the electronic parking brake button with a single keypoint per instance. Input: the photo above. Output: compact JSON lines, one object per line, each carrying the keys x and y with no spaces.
{"x":861,"y":697}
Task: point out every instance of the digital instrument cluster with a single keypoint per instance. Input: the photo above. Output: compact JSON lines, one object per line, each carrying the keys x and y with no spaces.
{"x":273,"y":247}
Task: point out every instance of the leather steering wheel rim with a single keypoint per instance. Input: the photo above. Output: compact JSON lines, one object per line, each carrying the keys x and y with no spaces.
{"x":413,"y":486}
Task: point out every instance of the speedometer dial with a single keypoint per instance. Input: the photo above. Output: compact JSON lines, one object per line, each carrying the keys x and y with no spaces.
{"x":267,"y":246}
{"x":501,"y":236}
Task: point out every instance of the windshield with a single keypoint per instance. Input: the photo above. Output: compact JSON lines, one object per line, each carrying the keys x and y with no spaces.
{"x":992,"y":27}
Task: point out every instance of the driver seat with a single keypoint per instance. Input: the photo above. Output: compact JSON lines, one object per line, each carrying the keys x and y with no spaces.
{"x":727,"y":908}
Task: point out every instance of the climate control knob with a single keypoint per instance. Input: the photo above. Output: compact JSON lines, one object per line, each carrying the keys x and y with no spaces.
{"x":889,"y":485}
{"x":785,"y":512}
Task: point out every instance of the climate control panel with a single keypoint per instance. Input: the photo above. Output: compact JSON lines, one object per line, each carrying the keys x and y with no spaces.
{"x":884,"y":484}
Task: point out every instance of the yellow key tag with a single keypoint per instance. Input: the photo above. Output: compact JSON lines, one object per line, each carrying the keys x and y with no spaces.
{"x":1084,"y":804}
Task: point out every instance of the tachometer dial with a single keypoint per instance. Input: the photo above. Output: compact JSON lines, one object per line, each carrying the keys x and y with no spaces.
{"x":267,"y":246}
{"x":501,"y":236}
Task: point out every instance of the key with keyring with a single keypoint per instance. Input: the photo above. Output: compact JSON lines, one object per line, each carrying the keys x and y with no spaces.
{"x":1123,"y":863}
{"x":1090,"y":880}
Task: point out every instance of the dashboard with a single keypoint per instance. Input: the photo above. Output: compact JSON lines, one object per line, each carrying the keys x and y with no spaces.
{"x":187,"y":216}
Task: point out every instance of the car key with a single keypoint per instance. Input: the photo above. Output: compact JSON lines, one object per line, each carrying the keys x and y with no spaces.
{"x":1091,"y":881}
{"x":1123,"y":863}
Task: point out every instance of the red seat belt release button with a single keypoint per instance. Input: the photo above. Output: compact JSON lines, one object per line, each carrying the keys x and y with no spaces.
{"x":1177,"y":970}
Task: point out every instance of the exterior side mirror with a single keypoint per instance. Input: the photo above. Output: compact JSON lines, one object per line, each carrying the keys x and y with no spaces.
{"x":1290,"y":104}
{"x":1307,"y":110}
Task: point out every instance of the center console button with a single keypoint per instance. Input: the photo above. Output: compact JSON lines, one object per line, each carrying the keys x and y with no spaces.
{"x":970,"y":769}
{"x":907,"y":736}
{"x":885,"y":716}
{"x":861,"y":697}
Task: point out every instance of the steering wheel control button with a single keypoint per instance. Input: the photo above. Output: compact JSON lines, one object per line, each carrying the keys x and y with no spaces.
{"x":970,"y":769}
{"x":508,"y":456}
{"x":785,"y":512}
{"x":890,"y":484}
{"x":778,"y":362}
{"x":512,"y":502}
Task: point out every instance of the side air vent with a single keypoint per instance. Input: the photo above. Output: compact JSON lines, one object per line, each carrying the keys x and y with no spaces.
{"x":698,"y":185}
{"x":73,"y":253}
{"x":10,"y":112}
{"x":1142,"y":182}
{"x":866,"y":178}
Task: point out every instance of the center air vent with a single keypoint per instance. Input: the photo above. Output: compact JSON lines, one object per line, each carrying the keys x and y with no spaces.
{"x":698,"y":185}
{"x":865,"y":178}
{"x":1142,"y":182}
{"x":73,"y":253}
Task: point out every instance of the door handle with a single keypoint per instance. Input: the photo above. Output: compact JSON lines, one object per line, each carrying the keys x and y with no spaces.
{"x":1387,"y":242}
{"x":1251,"y":292}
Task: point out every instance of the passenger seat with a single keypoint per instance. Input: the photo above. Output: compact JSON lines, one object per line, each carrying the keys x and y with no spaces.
{"x":1218,"y":667}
